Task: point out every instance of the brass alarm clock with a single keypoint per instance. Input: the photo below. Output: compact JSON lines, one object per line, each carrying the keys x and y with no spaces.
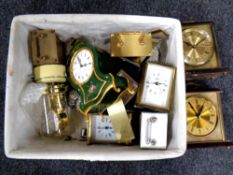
{"x":204,"y":117}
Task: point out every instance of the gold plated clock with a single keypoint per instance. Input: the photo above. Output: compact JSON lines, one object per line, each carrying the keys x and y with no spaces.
{"x":204,"y":117}
{"x":198,"y":46}
{"x":201,"y":116}
{"x":201,"y":56}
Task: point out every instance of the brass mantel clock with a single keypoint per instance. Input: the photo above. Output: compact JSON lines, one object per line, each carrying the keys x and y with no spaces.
{"x":95,"y":88}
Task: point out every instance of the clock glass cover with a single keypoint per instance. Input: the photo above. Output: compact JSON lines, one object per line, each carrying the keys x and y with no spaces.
{"x":104,"y":130}
{"x":82,"y":65}
{"x":198,"y":46}
{"x":201,"y":116}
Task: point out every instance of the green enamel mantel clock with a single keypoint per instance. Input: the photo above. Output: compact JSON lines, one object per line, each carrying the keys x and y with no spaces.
{"x":97,"y":90}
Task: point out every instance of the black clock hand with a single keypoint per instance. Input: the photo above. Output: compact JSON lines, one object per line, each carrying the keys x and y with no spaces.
{"x":104,"y":127}
{"x":193,"y":108}
{"x":86,"y":64}
{"x":79,"y":61}
{"x":156,"y":83}
{"x":188,"y":43}
{"x":200,"y":110}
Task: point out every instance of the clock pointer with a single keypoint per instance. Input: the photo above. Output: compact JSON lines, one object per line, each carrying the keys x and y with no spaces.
{"x":200,"y":111}
{"x":79,"y":61}
{"x":156,"y":83}
{"x":193,"y":108}
{"x":86,"y":64}
{"x":105,"y":127}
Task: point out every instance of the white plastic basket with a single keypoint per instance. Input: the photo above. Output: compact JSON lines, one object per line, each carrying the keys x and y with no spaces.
{"x":21,"y":140}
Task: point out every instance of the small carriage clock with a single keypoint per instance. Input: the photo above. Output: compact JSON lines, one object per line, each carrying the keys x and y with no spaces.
{"x":200,"y":52}
{"x":100,"y":130}
{"x":94,"y":87}
{"x":156,"y":87}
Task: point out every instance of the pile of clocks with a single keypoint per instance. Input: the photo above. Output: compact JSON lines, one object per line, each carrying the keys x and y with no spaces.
{"x":203,"y":104}
{"x":105,"y":89}
{"x":102,"y":89}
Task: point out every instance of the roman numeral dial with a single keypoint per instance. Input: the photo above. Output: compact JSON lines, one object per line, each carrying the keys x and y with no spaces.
{"x":201,"y":116}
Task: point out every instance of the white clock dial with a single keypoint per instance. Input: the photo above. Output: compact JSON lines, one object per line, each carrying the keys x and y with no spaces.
{"x":158,"y":81}
{"x":82,"y":66}
{"x":104,"y":130}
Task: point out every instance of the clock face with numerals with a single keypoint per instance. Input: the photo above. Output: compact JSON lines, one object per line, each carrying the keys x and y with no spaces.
{"x":157,"y":85}
{"x":103,"y":129}
{"x":201,"y":116}
{"x":82,"y":65}
{"x":198,"y":46}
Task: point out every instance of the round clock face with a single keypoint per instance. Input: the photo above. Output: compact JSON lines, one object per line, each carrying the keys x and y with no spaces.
{"x":201,"y":116}
{"x":82,"y":65}
{"x":198,"y":47}
{"x":104,"y":130}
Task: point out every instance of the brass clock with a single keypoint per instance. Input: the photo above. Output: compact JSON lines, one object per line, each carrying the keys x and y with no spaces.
{"x":201,"y":56}
{"x":201,"y":116}
{"x":204,"y":117}
{"x":198,"y":46}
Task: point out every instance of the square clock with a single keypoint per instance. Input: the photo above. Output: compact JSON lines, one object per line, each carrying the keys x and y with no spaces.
{"x":156,"y":87}
{"x":153,"y":133}
{"x":204,"y":117}
{"x":201,"y":56}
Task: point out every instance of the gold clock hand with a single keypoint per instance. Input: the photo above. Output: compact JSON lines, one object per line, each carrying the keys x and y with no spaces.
{"x":201,"y":40}
{"x":188,"y":43}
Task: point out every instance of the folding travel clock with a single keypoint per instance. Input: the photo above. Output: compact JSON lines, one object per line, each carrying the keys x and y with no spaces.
{"x":96,"y":89}
{"x":204,"y":117}
{"x":201,"y":56}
